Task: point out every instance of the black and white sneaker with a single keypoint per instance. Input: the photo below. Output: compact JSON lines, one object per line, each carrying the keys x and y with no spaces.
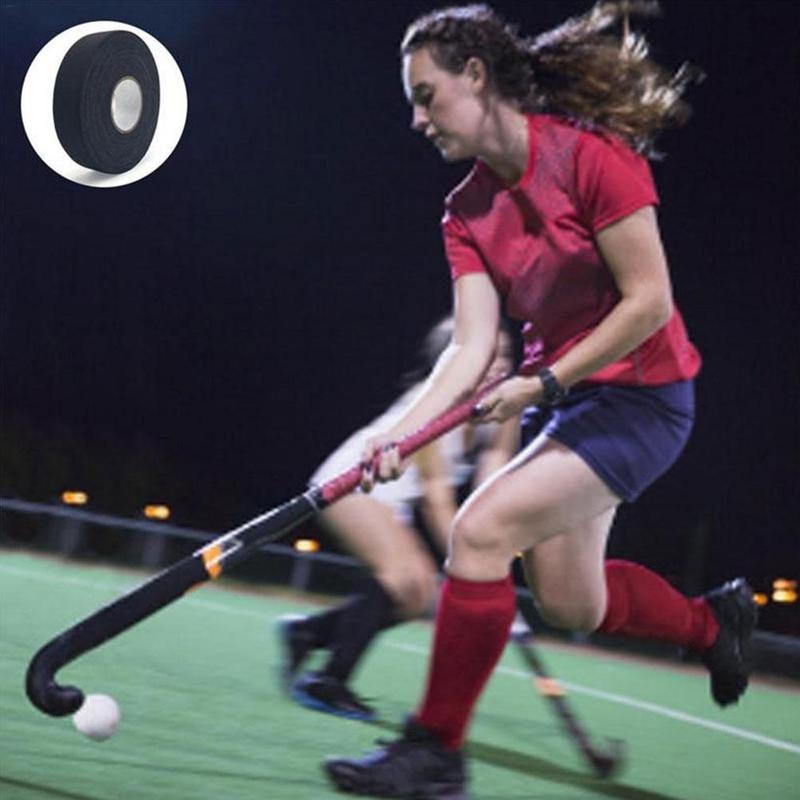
{"x":415,"y":766}
{"x":729,"y":659}
{"x":328,"y":694}
{"x":295,"y":646}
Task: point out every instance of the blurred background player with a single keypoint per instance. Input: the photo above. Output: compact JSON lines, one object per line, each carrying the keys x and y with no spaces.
{"x":379,"y":529}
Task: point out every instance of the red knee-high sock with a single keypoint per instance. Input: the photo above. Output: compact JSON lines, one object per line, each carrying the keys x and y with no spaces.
{"x":640,"y":603}
{"x":472,"y":625}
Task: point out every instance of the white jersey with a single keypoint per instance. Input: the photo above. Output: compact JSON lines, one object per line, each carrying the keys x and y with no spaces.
{"x":401,"y":495}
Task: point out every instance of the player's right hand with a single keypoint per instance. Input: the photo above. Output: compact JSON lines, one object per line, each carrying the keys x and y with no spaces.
{"x":380,"y":462}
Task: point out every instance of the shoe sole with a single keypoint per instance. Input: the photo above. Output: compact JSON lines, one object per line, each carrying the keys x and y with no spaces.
{"x":747,"y":613}
{"x":434,"y":791}
{"x":745,"y":617}
{"x":307,"y":701}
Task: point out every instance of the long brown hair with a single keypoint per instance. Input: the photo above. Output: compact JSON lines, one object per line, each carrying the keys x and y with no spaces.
{"x":577,"y":70}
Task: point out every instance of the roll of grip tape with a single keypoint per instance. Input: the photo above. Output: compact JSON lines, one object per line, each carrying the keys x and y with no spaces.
{"x":106,"y":101}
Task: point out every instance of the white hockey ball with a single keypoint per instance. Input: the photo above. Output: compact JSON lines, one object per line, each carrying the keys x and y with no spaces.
{"x":98,"y":717}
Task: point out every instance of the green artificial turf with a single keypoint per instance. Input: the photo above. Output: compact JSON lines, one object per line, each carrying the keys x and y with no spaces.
{"x":203,"y":715}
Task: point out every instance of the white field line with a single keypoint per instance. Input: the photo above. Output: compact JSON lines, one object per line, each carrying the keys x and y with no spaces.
{"x":640,"y":705}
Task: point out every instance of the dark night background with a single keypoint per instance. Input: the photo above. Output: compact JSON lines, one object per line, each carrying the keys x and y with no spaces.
{"x":205,"y":336}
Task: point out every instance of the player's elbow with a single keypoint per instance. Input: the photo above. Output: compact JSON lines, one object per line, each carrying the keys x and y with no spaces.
{"x":654,"y":311}
{"x":661,"y":311}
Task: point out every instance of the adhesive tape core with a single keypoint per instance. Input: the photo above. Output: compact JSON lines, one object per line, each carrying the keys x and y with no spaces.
{"x":106,"y":101}
{"x":126,"y":104}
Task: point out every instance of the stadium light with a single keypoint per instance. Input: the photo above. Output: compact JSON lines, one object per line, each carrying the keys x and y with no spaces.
{"x":760,"y":598}
{"x":157,"y":511}
{"x":784,"y":590}
{"x":306,"y":545}
{"x":74,"y":498}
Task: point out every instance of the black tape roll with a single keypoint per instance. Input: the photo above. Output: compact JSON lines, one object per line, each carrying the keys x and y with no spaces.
{"x":92,"y":69}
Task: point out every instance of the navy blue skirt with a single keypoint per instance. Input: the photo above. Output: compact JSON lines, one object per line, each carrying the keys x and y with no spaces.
{"x":629,"y":435}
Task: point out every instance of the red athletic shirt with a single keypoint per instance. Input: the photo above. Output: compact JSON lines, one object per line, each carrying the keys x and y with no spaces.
{"x":536,"y":242}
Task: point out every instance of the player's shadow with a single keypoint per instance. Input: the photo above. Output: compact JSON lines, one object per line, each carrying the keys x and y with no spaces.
{"x":527,"y":764}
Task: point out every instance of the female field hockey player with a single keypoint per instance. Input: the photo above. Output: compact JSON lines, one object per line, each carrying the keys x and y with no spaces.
{"x":378,"y":529}
{"x":556,"y":224}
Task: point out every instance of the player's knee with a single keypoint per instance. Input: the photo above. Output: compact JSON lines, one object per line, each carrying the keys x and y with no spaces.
{"x":422,"y":598}
{"x":477,"y":533}
{"x":570,"y":613}
{"x":412,"y":588}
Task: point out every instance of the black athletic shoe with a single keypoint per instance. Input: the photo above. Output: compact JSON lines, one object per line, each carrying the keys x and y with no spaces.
{"x":415,"y":766}
{"x":729,"y":659}
{"x":295,"y":645}
{"x":326,"y":693}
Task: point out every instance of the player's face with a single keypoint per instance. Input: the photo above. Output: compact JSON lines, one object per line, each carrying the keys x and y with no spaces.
{"x":447,"y":108}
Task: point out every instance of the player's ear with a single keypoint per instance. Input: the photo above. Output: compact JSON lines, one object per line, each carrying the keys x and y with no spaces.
{"x":477,"y":74}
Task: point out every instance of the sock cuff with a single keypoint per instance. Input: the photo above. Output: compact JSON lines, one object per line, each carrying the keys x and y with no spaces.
{"x":617,"y":604}
{"x":705,"y":626}
{"x":458,"y":587}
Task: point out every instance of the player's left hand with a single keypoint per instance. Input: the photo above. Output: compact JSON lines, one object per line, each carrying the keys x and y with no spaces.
{"x":511,"y":397}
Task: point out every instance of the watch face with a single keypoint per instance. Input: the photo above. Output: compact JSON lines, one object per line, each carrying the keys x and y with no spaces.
{"x":554,"y":392}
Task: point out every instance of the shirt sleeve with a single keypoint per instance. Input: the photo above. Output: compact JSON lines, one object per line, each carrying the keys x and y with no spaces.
{"x":611,"y":180}
{"x":462,"y":255}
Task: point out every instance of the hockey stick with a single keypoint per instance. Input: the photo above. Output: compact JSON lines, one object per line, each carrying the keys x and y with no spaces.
{"x":605,"y":761}
{"x":209,"y":562}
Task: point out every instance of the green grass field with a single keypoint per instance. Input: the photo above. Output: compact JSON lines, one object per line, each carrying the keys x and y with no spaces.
{"x":203,"y":716}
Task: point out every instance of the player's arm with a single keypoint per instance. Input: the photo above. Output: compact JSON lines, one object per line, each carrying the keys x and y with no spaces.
{"x":465,"y":360}
{"x":633,"y":252}
{"x":458,"y":370}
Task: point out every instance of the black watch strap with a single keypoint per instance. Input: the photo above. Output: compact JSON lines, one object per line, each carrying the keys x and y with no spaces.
{"x":554,"y":392}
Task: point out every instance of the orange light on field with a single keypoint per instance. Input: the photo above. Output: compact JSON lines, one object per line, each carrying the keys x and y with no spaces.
{"x":760,"y":598}
{"x":784,"y":583}
{"x":72,"y":498}
{"x":784,"y":596}
{"x":306,"y":545}
{"x":157,"y":512}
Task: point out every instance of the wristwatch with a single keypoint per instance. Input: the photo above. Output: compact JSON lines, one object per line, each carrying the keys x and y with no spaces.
{"x":554,"y":392}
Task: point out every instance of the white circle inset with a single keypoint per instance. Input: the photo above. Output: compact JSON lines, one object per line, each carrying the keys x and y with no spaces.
{"x":36,"y":106}
{"x":126,"y":104}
